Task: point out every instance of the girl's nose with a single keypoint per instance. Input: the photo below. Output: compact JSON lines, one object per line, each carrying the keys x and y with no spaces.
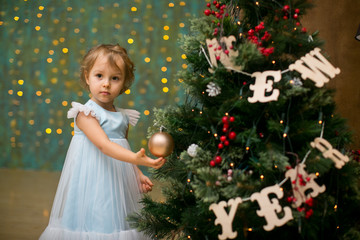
{"x":106,"y":82}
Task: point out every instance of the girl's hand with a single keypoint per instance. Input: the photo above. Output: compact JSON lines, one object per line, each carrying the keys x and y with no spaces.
{"x":145,"y":184}
{"x":149,"y":162}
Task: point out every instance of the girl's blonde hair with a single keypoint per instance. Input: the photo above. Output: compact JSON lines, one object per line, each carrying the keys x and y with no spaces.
{"x":112,"y":52}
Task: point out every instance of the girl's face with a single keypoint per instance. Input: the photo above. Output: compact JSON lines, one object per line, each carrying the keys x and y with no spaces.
{"x":105,"y":81}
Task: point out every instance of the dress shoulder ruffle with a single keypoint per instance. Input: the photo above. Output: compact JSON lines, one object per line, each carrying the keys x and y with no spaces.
{"x":78,"y":107}
{"x":132,"y":114}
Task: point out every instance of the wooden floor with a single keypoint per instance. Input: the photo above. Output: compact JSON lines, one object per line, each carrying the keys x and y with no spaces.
{"x":25,"y":202}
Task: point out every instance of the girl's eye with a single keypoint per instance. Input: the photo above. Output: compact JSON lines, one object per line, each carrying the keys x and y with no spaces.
{"x":116,"y":78}
{"x":98,"y":75}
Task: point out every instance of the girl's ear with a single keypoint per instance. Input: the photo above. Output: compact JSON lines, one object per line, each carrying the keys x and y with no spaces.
{"x":86,"y":77}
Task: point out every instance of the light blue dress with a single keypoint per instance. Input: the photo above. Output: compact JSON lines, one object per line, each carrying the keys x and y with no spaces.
{"x":96,"y":192}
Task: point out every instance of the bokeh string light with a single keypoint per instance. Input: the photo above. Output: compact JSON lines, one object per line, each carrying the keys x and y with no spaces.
{"x":42,"y":44}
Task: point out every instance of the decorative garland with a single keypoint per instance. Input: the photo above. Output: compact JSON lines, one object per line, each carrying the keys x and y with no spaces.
{"x":313,"y":66}
{"x":270,"y":208}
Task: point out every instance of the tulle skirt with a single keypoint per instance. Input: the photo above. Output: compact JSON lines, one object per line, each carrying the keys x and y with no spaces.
{"x":95,"y":195}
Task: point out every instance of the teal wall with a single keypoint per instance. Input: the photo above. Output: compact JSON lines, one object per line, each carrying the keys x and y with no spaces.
{"x":42,"y":43}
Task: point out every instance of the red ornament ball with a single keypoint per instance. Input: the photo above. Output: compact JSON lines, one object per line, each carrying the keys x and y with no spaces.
{"x":224,"y":120}
{"x":222,"y":138}
{"x":286,"y":8}
{"x":232,"y":119}
{"x":218,"y":160}
{"x":208,"y":4}
{"x":303,"y":30}
{"x":212,"y":163}
{"x":297,"y":11}
{"x":207,"y":12}
{"x":226,"y":143}
{"x":220,"y":146}
{"x":232,"y":135}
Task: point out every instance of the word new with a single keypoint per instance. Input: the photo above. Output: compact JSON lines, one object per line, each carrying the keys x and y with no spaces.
{"x":313,"y":66}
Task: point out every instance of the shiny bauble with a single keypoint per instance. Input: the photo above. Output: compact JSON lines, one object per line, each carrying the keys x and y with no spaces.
{"x":161,"y":144}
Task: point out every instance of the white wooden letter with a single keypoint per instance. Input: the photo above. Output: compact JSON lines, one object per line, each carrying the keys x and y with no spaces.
{"x":224,"y":219}
{"x":217,"y":54}
{"x":262,"y":86}
{"x":316,"y":66}
{"x":329,"y":152}
{"x":299,"y":188}
{"x":270,"y":207}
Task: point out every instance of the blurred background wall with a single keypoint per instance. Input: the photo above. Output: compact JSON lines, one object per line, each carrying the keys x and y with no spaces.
{"x":337,"y":23}
{"x":42,"y":43}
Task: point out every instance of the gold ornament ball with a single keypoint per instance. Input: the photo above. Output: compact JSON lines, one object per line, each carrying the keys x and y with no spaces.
{"x":161,"y":144}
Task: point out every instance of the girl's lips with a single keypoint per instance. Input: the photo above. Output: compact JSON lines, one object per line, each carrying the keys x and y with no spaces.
{"x":105,"y":93}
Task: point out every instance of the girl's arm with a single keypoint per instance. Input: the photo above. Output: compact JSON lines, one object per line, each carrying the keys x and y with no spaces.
{"x":145,"y":183}
{"x":92,"y":129}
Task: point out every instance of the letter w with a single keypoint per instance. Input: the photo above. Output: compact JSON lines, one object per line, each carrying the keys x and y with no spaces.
{"x":317,"y":66}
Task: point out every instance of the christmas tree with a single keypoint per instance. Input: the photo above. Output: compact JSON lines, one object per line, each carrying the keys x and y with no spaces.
{"x":260,"y":152}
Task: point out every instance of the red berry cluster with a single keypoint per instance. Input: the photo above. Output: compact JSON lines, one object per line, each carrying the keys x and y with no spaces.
{"x":254,"y":35}
{"x":302,"y":182}
{"x":218,"y":12}
{"x":356,"y":155}
{"x":287,"y":13}
{"x":224,"y":139}
{"x":307,"y":208}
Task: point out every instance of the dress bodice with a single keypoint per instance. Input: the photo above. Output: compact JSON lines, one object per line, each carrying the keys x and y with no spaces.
{"x":114,"y":124}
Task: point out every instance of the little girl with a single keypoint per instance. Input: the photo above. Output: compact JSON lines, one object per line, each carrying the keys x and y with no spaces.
{"x":100,"y":184}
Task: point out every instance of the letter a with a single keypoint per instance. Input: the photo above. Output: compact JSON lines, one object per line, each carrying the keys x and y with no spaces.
{"x":224,"y":219}
{"x":315,"y":68}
